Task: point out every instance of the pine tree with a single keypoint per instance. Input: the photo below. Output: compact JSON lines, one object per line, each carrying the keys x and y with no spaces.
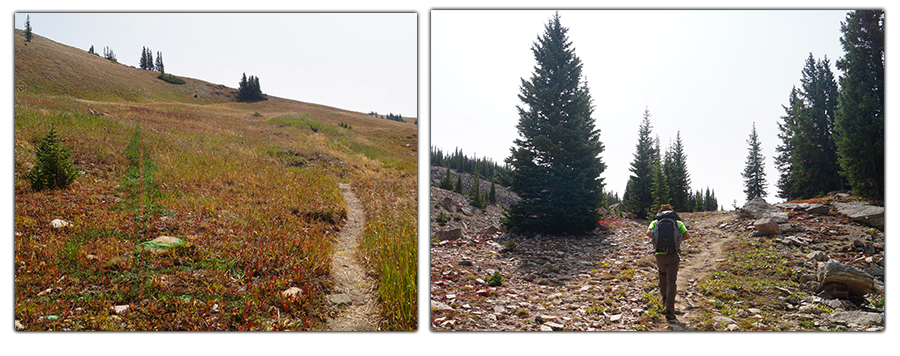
{"x":639,"y":190}
{"x":53,"y":169}
{"x":249,"y":89}
{"x":556,"y":159}
{"x":660,"y":191}
{"x":109,"y":54}
{"x":28,"y":33}
{"x":476,"y":198}
{"x":675,"y":168}
{"x":458,"y":187}
{"x":91,"y":50}
{"x":159,"y":66}
{"x":446,"y":182}
{"x":754,"y":173}
{"x":492,"y":195}
{"x":698,"y":202}
{"x":807,"y":157}
{"x":859,"y":124}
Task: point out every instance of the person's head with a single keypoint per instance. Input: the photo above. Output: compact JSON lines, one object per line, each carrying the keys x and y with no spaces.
{"x":664,"y":207}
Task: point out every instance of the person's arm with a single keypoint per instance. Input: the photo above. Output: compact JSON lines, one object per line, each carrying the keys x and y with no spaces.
{"x":650,"y":228}
{"x":684,"y":233}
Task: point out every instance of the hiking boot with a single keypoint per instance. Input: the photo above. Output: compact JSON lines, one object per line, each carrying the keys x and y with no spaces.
{"x":670,"y":315}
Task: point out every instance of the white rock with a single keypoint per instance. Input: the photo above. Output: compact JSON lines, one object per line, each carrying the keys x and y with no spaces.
{"x":120,"y":309}
{"x":58,"y":223}
{"x":292,"y":292}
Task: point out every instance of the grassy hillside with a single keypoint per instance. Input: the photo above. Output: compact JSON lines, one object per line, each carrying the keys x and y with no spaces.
{"x":250,"y":189}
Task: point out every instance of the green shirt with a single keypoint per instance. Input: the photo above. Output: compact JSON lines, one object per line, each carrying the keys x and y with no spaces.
{"x":681,"y":227}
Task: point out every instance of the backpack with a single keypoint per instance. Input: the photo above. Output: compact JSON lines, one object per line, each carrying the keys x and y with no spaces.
{"x":666,"y":237}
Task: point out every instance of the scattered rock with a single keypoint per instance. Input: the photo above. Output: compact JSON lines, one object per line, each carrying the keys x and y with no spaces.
{"x":438,"y":306}
{"x":338,"y":299}
{"x":758,"y":208}
{"x":119,"y":309}
{"x":817,"y":256}
{"x":858,"y":282}
{"x":449,"y":235}
{"x":161,"y":244}
{"x":818,"y":209}
{"x":863,"y":213}
{"x":767,"y":227}
{"x":724,"y":319}
{"x":292,"y":292}
{"x":856,"y":317}
{"x":553,"y":326}
{"x":59,"y":223}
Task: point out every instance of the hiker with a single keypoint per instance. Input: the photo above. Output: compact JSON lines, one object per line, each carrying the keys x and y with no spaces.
{"x":666,"y":234}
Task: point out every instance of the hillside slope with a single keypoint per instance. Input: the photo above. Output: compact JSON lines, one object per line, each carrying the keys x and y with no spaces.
{"x":249,"y":189}
{"x":728,"y":279}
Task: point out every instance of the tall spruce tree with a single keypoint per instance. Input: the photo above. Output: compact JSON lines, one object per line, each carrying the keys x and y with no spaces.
{"x":807,"y":157}
{"x":754,"y":173}
{"x":679,"y":180}
{"x":447,"y":182}
{"x":639,"y":189}
{"x":28,"y":33}
{"x":555,"y":162}
{"x":859,"y":124}
{"x":158,"y":65}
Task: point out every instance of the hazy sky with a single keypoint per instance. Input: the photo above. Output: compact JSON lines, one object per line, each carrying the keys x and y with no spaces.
{"x":709,"y":74}
{"x":357,"y":61}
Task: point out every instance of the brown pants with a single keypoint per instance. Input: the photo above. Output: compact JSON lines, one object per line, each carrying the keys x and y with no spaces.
{"x":668,"y":275}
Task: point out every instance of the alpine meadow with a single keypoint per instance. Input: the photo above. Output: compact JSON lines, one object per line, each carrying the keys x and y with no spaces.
{"x":195,"y":206}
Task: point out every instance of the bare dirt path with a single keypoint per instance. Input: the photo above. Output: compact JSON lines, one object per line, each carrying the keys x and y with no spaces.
{"x":706,"y":246}
{"x":362,"y":313}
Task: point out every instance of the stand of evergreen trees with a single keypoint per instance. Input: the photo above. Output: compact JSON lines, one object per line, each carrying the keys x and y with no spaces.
{"x":457,"y":160}
{"x":390,"y":116}
{"x":662,"y":179}
{"x":249,"y":90}
{"x":834,"y":137}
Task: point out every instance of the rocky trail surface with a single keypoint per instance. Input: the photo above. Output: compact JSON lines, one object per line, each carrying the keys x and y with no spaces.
{"x":357,"y":304}
{"x":607,"y":280}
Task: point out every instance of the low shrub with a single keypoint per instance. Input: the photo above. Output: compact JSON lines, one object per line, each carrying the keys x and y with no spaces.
{"x":170,"y":78}
{"x":53,"y":168}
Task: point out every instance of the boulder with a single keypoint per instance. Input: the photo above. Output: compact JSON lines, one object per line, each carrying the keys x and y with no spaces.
{"x":818,"y":209}
{"x":862,"y":213}
{"x":758,"y":208}
{"x":856,"y":317}
{"x":858,"y":282}
{"x":450,"y":205}
{"x":448,"y":235}
{"x":438,"y":306}
{"x":817,"y":256}
{"x":766,"y":227}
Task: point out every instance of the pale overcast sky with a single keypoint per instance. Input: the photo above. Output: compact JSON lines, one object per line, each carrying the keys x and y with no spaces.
{"x":709,"y":74}
{"x":356,"y":61}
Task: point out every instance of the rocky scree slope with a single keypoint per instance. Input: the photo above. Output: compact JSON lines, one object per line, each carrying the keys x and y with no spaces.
{"x":607,"y":280}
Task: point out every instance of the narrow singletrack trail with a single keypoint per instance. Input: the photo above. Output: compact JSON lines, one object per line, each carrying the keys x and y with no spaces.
{"x":707,"y":239}
{"x":363,"y":312}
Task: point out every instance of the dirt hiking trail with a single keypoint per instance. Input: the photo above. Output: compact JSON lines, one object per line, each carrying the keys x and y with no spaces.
{"x":362,"y":314}
{"x":707,"y":239}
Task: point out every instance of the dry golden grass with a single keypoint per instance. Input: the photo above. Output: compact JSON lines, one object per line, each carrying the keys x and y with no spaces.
{"x":249,"y":187}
